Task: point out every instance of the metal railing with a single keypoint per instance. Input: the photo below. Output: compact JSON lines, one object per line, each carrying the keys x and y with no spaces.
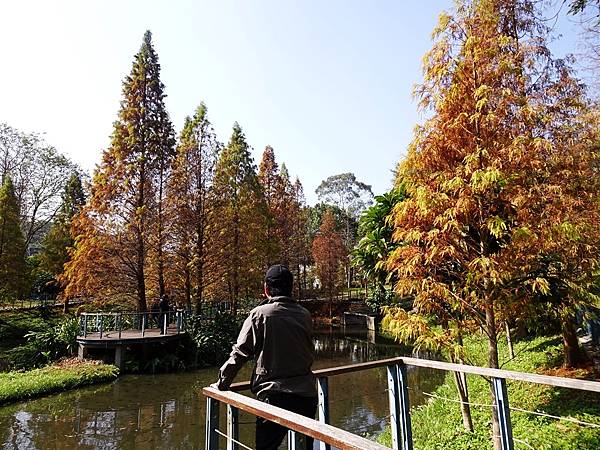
{"x":110,"y":325}
{"x":398,"y":397}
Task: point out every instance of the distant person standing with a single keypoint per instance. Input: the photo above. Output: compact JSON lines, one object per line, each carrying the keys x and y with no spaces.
{"x":278,"y":336}
{"x":155,"y":313}
{"x":164,"y":312}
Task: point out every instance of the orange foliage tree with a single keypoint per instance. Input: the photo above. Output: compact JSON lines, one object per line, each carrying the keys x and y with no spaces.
{"x":121,"y":228}
{"x":242,"y":221}
{"x":192,"y":209}
{"x":328,"y":253}
{"x":502,"y":193}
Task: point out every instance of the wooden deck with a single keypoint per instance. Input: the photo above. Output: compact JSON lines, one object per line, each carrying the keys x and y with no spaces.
{"x":113,"y":337}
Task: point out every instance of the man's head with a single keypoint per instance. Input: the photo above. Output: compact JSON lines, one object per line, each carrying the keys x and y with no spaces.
{"x":279,"y":281}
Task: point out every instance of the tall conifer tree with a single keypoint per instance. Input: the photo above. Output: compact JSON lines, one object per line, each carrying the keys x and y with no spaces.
{"x":124,"y":221}
{"x":192,"y":204}
{"x":57,"y":242}
{"x":13,"y":269}
{"x":242,"y":219}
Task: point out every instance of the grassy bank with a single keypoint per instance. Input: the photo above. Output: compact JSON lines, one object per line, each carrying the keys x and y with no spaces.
{"x":15,"y":386}
{"x":438,"y":424}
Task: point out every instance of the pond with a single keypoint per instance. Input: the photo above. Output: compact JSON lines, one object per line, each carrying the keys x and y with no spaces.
{"x":167,"y":411}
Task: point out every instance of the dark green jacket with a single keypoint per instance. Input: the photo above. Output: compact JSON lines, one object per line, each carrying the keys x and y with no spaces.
{"x":278,"y":336}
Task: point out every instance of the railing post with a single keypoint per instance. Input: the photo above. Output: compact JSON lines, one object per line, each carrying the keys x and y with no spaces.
{"x":501,"y":394}
{"x":144,"y":324}
{"x":212,"y":424}
{"x":399,"y":407}
{"x":85,"y":325}
{"x":323,"y":409}
{"x":295,"y":441}
{"x":120,"y":317}
{"x":233,"y":432}
{"x":100,"y":319}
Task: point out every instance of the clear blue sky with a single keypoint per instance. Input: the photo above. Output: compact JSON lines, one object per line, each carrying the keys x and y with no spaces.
{"x":326,"y":83}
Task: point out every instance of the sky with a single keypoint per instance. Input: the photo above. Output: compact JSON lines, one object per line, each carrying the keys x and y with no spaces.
{"x":326,"y":83}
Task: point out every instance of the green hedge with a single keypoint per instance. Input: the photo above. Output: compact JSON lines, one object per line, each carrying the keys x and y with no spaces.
{"x":16,"y":386}
{"x":438,"y":425}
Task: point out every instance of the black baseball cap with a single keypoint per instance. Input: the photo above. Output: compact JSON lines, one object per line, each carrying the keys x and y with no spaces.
{"x":280,"y":277}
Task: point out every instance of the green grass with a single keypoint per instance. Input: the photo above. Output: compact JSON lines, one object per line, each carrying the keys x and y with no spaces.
{"x":438,"y":425}
{"x":15,"y":386}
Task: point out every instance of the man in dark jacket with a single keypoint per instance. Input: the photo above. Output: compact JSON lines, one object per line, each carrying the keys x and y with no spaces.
{"x":278,"y":336}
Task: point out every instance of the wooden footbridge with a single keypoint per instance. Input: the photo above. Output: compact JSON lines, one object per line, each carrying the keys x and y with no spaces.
{"x":117,"y":330}
{"x":398,"y":394}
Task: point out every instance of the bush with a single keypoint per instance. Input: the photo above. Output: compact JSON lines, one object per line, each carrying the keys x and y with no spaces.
{"x":47,"y":345}
{"x":213,"y":338}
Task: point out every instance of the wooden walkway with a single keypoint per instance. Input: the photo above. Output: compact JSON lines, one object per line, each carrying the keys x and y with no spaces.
{"x":117,"y":330}
{"x":151,"y":334}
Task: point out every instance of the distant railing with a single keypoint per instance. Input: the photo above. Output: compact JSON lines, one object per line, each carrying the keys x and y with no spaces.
{"x":400,"y":421}
{"x":112,"y":324}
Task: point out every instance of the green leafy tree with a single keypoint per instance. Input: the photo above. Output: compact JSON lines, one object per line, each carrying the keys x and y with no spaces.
{"x":375,"y":245}
{"x":13,"y":267}
{"x":38,"y":172}
{"x":56,"y":244}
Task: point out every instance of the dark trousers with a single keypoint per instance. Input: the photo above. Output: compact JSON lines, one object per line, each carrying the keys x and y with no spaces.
{"x":269,"y":435}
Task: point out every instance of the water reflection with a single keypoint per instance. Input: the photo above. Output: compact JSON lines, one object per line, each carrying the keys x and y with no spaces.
{"x":167,"y":411}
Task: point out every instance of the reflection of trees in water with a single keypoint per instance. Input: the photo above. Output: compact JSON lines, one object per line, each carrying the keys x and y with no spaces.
{"x":118,"y":418}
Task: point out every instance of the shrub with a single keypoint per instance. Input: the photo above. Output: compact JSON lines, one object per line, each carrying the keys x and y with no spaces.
{"x":213,"y":338}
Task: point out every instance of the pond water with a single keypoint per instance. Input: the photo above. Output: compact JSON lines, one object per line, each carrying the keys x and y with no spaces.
{"x":167,"y":411}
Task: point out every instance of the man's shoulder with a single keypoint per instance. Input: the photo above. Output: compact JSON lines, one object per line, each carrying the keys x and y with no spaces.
{"x":268,"y":308}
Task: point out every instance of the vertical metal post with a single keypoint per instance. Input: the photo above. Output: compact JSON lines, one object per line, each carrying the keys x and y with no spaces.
{"x":85,"y":325}
{"x":323,"y":409}
{"x":100,"y":319}
{"x":165,"y":319}
{"x":120,"y":317}
{"x":399,"y":407}
{"x":405,"y":424}
{"x":295,"y":441}
{"x":394,"y":398}
{"x":501,"y":394}
{"x":144,"y":324}
{"x":233,"y":432}
{"x":212,"y":424}
{"x":178,"y":320}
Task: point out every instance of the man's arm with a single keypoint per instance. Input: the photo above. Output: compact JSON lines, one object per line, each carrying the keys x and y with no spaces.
{"x":241,"y":352}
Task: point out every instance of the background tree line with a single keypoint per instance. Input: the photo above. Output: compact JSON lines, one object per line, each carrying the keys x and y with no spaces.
{"x":192,"y":217}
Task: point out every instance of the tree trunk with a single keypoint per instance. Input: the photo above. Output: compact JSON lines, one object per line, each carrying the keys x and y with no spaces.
{"x":574,"y":356}
{"x":490,"y":325}
{"x":511,"y":350}
{"x":461,"y":385}
{"x":188,"y":289}
{"x":160,"y":255}
{"x":460,"y":379}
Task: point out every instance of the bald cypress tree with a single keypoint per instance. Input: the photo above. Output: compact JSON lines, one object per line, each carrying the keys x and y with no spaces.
{"x":243,"y":217}
{"x":192,"y":207}
{"x":121,"y":230}
{"x":12,"y":244}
